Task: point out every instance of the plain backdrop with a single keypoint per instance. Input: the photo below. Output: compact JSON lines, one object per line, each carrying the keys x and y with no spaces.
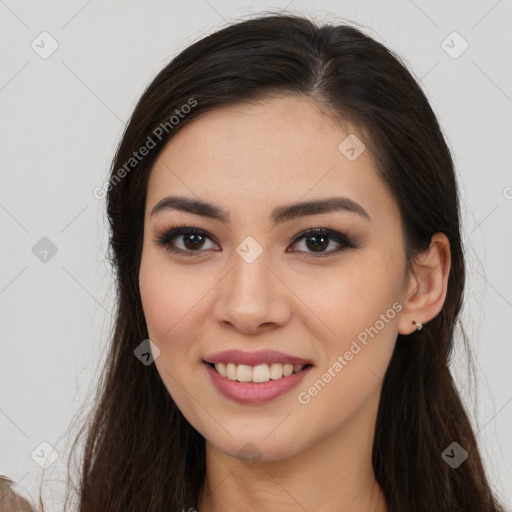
{"x":70,"y":74}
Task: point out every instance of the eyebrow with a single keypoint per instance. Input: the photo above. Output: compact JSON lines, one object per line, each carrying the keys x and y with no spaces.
{"x":278,"y":215}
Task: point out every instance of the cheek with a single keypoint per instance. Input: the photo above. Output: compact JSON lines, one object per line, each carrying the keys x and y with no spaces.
{"x":360,"y":307}
{"x":171,"y":299}
{"x":362,"y":313}
{"x":349,"y":302}
{"x":172,"y":306}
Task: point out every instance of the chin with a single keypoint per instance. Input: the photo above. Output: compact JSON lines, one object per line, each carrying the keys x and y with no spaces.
{"x":254,"y":451}
{"x":254,"y":446}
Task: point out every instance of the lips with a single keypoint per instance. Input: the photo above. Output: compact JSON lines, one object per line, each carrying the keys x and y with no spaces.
{"x":253,"y":377}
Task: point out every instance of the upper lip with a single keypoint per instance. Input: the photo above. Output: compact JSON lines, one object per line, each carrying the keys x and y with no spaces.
{"x":255,"y":358}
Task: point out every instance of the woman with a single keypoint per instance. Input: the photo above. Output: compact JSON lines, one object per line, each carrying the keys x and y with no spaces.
{"x":285,"y":230}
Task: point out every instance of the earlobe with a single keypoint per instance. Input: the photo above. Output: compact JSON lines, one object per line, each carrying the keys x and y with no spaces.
{"x":418,"y":325}
{"x":427,"y":286}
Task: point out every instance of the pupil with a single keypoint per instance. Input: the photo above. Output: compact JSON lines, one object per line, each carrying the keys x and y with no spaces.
{"x":321,"y":242}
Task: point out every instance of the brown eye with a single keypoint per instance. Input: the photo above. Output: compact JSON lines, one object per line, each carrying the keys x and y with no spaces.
{"x":317,"y":243}
{"x":317,"y":240}
{"x":191,"y":239}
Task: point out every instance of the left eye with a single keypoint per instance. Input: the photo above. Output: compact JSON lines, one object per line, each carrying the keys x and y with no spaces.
{"x":316,"y":241}
{"x":319,"y":239}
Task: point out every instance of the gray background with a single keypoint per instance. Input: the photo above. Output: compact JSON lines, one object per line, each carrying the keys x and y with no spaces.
{"x":62,"y":117}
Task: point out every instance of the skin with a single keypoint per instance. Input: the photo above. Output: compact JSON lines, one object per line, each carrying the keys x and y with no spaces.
{"x":249,"y":159}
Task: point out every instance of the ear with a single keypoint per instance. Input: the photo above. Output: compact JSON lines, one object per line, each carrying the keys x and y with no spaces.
{"x":427,"y":285}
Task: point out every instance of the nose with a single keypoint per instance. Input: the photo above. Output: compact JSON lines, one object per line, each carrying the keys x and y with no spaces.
{"x":252,"y":298}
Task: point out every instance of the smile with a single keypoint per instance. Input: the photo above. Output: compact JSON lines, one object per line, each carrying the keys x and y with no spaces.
{"x":259,"y":373}
{"x":251,"y":391}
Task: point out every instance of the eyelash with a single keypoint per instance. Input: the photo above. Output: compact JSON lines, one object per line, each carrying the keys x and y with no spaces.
{"x":340,"y":238}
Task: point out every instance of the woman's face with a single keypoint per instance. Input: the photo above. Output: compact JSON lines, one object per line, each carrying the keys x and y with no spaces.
{"x":251,"y":281}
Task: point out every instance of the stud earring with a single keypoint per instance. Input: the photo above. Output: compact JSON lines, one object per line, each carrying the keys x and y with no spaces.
{"x":418,"y":325}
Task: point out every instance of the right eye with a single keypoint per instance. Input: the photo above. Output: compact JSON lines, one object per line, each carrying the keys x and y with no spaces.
{"x":192,"y":240}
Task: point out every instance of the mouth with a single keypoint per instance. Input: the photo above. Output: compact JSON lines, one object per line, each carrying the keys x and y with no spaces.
{"x":257,"y":374}
{"x":255,"y":377}
{"x":256,"y":384}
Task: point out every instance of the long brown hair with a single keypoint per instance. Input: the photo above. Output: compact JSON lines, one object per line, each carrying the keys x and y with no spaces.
{"x":140,"y":453}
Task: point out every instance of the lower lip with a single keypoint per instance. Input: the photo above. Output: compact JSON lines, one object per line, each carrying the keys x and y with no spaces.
{"x":254,"y":392}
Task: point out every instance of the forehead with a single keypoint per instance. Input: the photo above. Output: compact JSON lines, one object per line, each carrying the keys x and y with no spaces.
{"x":251,"y":157}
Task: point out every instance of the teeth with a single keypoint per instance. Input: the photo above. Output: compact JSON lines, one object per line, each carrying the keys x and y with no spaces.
{"x":221,"y":368}
{"x":243,"y":373}
{"x":276,"y":371}
{"x":258,"y":373}
{"x":287,"y":369}
{"x":230,"y":371}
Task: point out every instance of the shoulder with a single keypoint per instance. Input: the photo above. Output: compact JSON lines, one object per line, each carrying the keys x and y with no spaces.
{"x":10,"y":501}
